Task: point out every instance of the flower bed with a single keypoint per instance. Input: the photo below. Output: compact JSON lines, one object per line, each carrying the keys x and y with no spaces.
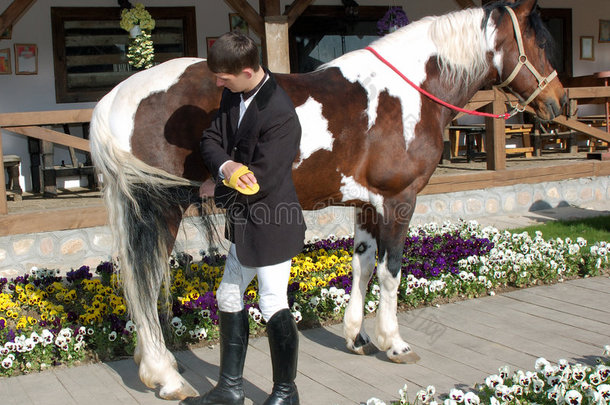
{"x":47,"y":320}
{"x":553,"y":384}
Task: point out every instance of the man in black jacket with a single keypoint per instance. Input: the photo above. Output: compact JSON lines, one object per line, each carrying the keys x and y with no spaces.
{"x":250,"y":148}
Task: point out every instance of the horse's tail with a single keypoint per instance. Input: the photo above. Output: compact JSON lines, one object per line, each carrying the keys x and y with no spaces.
{"x":140,"y":199}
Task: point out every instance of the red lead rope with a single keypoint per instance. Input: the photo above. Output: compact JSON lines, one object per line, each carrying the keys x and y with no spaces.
{"x":432,"y":97}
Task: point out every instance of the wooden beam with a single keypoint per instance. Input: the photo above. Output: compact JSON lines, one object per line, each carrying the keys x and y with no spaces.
{"x":53,"y":220}
{"x":45,"y":117}
{"x":296,"y":9}
{"x":248,"y":13}
{"x":465,"y":3}
{"x":270,"y":8}
{"x":53,"y":136}
{"x":584,"y":128}
{"x":588,"y":92}
{"x":14,"y":12}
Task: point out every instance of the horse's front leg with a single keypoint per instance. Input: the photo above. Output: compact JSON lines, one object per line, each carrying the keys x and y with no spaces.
{"x":393,"y":230}
{"x":363,"y":263}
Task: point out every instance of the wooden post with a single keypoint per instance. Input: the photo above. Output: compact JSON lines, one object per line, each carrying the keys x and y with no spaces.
{"x":276,"y":40}
{"x":49,"y":180}
{"x":3,"y":205}
{"x":495,"y":135}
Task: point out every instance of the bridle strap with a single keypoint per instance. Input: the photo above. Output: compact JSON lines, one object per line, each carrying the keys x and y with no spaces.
{"x":523,"y":61}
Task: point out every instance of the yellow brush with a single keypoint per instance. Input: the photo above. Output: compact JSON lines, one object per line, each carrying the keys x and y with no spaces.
{"x":249,"y":190}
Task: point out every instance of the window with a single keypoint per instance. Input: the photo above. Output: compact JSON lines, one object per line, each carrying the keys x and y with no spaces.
{"x":89,"y":47}
{"x":323,"y":33}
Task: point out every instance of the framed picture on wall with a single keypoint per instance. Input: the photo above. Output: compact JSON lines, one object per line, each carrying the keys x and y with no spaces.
{"x":236,"y":23}
{"x":209,"y":42}
{"x":604,"y":31}
{"x":586,"y":48}
{"x":26,"y":59}
{"x":5,"y":61}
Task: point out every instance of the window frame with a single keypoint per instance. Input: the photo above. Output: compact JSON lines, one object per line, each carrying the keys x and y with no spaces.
{"x":59,"y":15}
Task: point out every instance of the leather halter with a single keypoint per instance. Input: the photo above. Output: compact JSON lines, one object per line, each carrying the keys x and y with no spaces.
{"x":523,"y":61}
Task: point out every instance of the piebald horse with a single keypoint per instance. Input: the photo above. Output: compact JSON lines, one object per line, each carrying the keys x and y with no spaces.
{"x":369,"y":140}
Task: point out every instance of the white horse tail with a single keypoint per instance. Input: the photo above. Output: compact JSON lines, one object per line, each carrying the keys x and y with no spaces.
{"x":141,"y":199}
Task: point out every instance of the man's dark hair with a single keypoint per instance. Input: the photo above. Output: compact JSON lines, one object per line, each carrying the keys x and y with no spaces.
{"x":233,"y":52}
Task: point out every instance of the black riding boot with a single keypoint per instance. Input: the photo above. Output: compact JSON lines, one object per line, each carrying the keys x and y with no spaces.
{"x":234,"y":332}
{"x":284,"y":346}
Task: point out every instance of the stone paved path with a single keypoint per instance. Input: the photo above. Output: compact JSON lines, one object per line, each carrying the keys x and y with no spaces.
{"x":460,"y":344}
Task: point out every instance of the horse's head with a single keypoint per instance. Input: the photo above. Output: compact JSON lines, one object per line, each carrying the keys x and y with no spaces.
{"x":522,"y":47}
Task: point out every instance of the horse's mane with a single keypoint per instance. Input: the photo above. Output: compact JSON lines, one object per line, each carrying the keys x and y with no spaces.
{"x":461,"y":43}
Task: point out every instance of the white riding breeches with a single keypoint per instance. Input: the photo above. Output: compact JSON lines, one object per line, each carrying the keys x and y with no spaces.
{"x":272,"y":285}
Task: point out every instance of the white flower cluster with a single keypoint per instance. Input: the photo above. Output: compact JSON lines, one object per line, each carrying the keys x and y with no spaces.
{"x":37,"y":273}
{"x":338,"y":297}
{"x":64,"y":340}
{"x":561,"y":383}
{"x":600,"y":251}
{"x":427,"y":286}
{"x":195,"y":333}
{"x":371,"y":305}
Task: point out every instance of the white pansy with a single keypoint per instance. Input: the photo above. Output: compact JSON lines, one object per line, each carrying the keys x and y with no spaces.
{"x":176,"y":322}
{"x":493,"y":381}
{"x":604,"y":391}
{"x":456,"y":395}
{"x":112,"y":336}
{"x":7,"y":363}
{"x":471,"y":399}
{"x":130,"y":326}
{"x":314,"y":301}
{"x":573,"y":397}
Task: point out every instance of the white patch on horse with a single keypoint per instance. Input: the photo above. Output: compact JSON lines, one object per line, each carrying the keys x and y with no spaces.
{"x":314,"y":127}
{"x":408,"y":50}
{"x":375,"y":77}
{"x":127,"y":95}
{"x":351,"y":190}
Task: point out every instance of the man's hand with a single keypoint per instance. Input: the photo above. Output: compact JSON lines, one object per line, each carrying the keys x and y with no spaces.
{"x":244,"y":181}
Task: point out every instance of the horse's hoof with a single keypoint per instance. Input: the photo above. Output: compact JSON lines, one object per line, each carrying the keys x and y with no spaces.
{"x":185,"y":391}
{"x":363,"y":345}
{"x":408,"y":357}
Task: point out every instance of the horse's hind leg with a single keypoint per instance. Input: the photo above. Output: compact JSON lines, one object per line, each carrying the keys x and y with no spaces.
{"x":393,"y":230}
{"x":149,"y":239}
{"x":363,"y":263}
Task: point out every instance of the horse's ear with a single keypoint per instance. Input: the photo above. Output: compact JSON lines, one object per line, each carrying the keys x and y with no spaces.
{"x":525,"y":7}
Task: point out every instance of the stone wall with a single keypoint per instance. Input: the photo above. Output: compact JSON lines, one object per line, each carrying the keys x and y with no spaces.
{"x":71,"y":249}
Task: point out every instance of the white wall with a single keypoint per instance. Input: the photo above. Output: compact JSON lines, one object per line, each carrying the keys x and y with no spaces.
{"x":37,"y":92}
{"x":585,"y":22}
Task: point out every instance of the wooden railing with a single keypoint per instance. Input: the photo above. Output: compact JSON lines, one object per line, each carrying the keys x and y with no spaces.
{"x":30,"y":124}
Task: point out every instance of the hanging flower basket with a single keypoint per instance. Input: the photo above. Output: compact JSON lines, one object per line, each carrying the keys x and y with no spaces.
{"x":393,"y":19}
{"x":139,"y":23}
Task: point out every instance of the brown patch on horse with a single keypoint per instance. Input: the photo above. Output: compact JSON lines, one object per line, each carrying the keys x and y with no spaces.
{"x":168,"y":137}
{"x":318,"y":178}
